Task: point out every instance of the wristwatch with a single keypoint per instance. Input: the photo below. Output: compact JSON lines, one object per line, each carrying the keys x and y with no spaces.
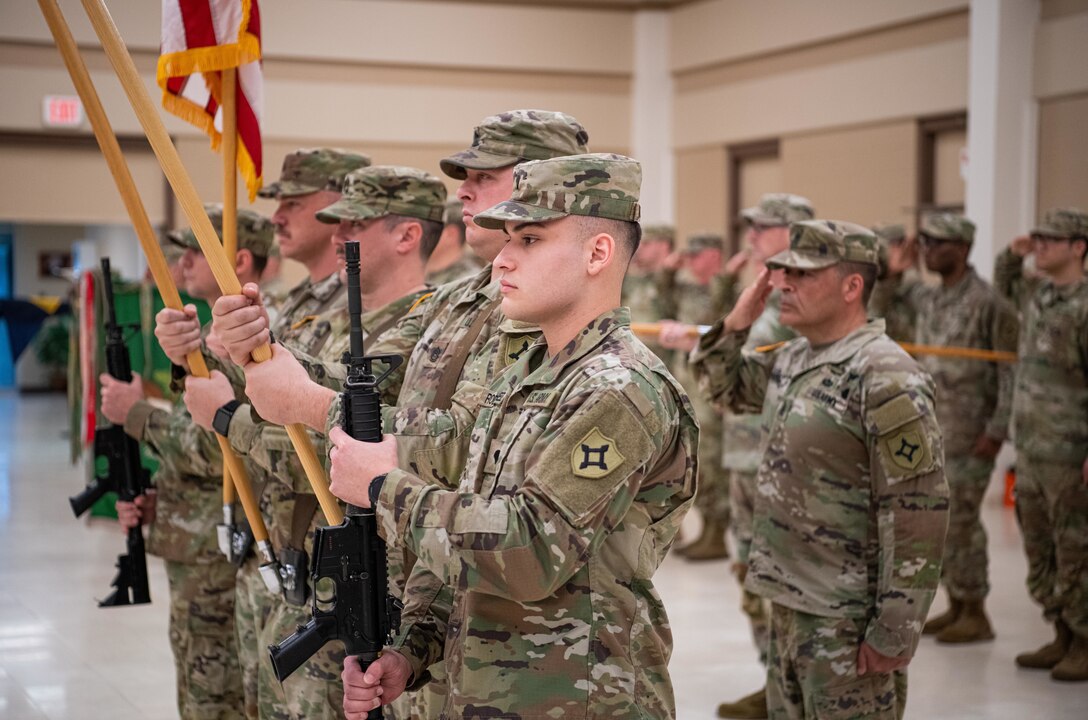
{"x":375,"y":489}
{"x":223,"y":416}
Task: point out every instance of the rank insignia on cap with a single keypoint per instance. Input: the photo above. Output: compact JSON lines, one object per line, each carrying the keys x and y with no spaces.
{"x":595,"y":456}
{"x":906,"y":449}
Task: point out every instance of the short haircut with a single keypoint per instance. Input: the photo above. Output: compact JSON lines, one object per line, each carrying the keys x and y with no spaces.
{"x":868,"y":273}
{"x":431,"y":232}
{"x":627,"y":234}
{"x":259,"y":262}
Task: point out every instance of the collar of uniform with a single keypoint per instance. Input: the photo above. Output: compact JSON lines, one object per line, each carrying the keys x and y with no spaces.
{"x":479,"y":287}
{"x":325,"y":289}
{"x":1051,"y":293}
{"x":842,"y":349}
{"x":949,"y":295}
{"x":589,"y":338}
{"x":374,"y":318}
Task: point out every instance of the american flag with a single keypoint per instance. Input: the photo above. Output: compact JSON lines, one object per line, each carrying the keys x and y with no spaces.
{"x":200,"y":38}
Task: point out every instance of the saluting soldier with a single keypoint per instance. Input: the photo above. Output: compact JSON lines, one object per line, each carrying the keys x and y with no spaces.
{"x":1050,"y":411}
{"x":851,"y":504}
{"x":975,"y":400}
{"x":899,"y":318}
{"x":693,"y":303}
{"x":581,"y":466}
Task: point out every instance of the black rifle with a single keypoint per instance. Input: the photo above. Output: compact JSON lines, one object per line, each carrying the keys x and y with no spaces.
{"x":119,"y":470}
{"x":363,"y":615}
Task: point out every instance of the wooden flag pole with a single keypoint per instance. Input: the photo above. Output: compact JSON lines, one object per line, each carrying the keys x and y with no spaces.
{"x":228,"y":102}
{"x":187,"y":196}
{"x":137,"y":213}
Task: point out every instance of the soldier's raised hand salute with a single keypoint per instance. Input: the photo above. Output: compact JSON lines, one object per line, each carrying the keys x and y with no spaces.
{"x":750,"y":304}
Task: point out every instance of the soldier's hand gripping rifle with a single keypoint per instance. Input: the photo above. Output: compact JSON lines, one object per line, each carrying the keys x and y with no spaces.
{"x":121,"y":471}
{"x":362,"y":613}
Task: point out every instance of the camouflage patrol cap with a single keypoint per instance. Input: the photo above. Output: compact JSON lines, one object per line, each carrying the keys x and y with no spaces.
{"x":659,"y":232}
{"x":890,"y":232}
{"x":306,"y":171}
{"x":454,"y":213}
{"x":777,"y":209}
{"x":255,"y":232}
{"x":515,"y":136}
{"x":596,"y":185}
{"x":387,"y":190}
{"x":1063,"y":223}
{"x":704,"y":241}
{"x":816,"y":244}
{"x":948,"y":226}
{"x":171,"y":250}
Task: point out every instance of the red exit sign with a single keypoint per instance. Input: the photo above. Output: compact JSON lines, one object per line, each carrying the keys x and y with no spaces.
{"x":62,"y":111}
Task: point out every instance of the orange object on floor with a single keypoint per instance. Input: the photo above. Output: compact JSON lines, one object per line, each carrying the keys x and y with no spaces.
{"x":1010,"y":487}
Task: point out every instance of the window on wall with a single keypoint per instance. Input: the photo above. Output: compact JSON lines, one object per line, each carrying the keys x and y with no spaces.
{"x":942,"y":148}
{"x":754,"y":169}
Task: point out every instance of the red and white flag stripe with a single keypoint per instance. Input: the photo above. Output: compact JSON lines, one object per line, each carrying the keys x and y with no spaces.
{"x":200,"y":38}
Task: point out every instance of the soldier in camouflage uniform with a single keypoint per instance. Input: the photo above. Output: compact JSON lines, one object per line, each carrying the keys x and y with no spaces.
{"x":310,"y":180}
{"x":694,"y":305}
{"x":647,"y":278}
{"x":899,"y":318}
{"x":851,"y":505}
{"x":458,"y":335}
{"x":451,"y":260}
{"x":581,"y":466}
{"x":184,"y":510}
{"x":766,"y":235}
{"x":1050,"y":411}
{"x":976,"y":401}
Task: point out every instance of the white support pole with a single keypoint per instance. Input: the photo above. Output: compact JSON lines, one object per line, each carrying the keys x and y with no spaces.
{"x":651,"y":115}
{"x":1001,"y":125}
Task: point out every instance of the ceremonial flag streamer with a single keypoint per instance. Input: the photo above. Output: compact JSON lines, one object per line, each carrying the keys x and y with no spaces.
{"x":200,"y":38}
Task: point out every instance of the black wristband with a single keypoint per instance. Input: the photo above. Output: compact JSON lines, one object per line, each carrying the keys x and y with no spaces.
{"x":223,"y":416}
{"x":375,"y":489}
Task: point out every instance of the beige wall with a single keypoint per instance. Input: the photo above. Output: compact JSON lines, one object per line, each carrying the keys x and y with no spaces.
{"x":1063,"y":153}
{"x":701,"y":190}
{"x":64,"y":184}
{"x":863,"y":174}
{"x":1061,"y":50}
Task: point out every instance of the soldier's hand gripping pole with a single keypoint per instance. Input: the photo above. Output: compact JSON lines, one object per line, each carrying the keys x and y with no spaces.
{"x":190,"y":202}
{"x":351,"y":555}
{"x":123,"y":474}
{"x":156,"y":262}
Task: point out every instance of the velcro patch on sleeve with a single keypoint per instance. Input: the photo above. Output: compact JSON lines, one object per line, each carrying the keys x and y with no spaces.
{"x":907,"y":441}
{"x":594,"y":453}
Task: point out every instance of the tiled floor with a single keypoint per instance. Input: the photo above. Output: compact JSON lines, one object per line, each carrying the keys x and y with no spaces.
{"x":62,"y":657}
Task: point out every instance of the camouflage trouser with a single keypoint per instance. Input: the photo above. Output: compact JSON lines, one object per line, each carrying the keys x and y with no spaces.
{"x":965,"y":572}
{"x":202,"y":639}
{"x":252,"y":611}
{"x":742,"y":488}
{"x":812,"y":671}
{"x":315,"y":691}
{"x":1052,"y":507}
{"x":742,"y":492}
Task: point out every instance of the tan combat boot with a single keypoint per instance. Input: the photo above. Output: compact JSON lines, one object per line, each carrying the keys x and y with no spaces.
{"x":710,"y":545}
{"x":1074,"y":666}
{"x":972,"y":625}
{"x":1050,"y":654}
{"x":749,"y":707}
{"x":934,"y":626}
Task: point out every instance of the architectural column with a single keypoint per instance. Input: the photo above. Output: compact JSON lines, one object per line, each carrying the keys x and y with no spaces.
{"x":1001,"y":125}
{"x":651,"y":115}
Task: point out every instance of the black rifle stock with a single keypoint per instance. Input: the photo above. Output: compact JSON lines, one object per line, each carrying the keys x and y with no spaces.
{"x":122,"y":472}
{"x":362,"y":614}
